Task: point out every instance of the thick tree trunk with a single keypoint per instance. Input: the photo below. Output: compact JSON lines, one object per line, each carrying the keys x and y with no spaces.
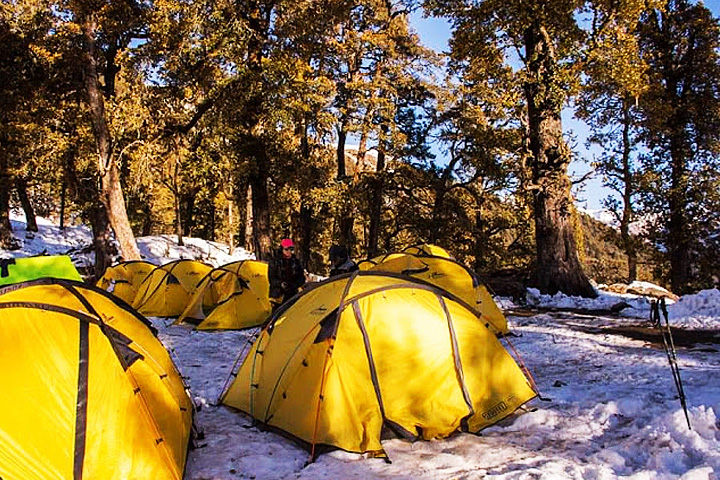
{"x":101,"y":241}
{"x":114,"y":201}
{"x":558,"y":265}
{"x":21,"y":188}
{"x":258,"y":16}
{"x":111,"y":189}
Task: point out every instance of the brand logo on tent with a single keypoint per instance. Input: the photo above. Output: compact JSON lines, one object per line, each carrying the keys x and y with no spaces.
{"x":437,"y":275}
{"x":495,"y":410}
{"x":319,"y":310}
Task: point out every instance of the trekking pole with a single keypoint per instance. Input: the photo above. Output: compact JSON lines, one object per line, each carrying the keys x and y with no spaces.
{"x":669,"y":344}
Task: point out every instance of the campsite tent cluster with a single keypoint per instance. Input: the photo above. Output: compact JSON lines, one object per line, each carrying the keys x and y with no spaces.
{"x":232,"y":296}
{"x":410,"y":343}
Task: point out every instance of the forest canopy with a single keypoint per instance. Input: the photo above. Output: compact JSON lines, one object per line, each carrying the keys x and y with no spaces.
{"x":322,"y":120}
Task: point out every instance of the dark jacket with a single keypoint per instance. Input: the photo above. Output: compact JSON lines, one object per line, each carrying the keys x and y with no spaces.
{"x":348,"y":266}
{"x":287,"y":271}
{"x":340,"y":261}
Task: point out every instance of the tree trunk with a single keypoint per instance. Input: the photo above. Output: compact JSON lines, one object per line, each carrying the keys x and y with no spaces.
{"x":248,"y":223}
{"x":63,"y":195}
{"x":262,"y":244}
{"x":101,"y":241}
{"x":21,"y":188}
{"x":678,"y":239}
{"x":178,"y":220}
{"x":187,"y":209}
{"x":111,"y":190}
{"x":558,"y":265}
{"x":213,"y":215}
{"x":305,"y":237}
{"x":7,"y":241}
{"x":305,"y":219}
{"x":345,"y":221}
{"x":258,"y":16}
{"x":376,"y":201}
{"x":480,"y":240}
{"x":342,"y":136}
{"x":231,"y":223}
{"x":627,"y":239}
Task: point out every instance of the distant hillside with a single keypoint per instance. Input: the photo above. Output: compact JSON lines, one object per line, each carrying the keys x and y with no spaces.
{"x":605,"y":262}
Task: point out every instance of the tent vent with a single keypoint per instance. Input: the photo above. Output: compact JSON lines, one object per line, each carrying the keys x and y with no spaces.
{"x":327,"y":326}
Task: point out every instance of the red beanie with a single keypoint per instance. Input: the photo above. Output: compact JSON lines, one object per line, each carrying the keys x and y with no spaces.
{"x":286,"y":242}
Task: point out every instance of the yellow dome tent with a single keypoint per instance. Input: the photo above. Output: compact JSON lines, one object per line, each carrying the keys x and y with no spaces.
{"x":124,"y":278}
{"x":88,"y":391}
{"x":446,"y":273}
{"x":368,"y":350}
{"x":167,"y":289}
{"x":233,"y":296}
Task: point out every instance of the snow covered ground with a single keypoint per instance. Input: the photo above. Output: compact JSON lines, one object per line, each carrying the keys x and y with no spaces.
{"x":609,"y":406}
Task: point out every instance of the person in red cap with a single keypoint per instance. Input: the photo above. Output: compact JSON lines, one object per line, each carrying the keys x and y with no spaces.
{"x":285,"y":273}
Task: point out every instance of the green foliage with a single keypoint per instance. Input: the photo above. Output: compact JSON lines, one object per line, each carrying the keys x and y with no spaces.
{"x":206,"y":98}
{"x":605,"y":260}
{"x":681,"y":116}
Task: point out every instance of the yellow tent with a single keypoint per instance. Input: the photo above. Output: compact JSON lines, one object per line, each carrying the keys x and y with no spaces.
{"x":365,"y":350}
{"x":427,"y":249}
{"x":447,"y":273}
{"x":233,"y":296}
{"x":88,"y":391}
{"x":124,"y":278}
{"x":167,"y":290}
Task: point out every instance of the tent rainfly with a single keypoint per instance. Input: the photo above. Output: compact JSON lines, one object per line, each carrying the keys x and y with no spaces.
{"x":124,"y":278}
{"x":88,"y":391}
{"x":363,"y":351}
{"x":447,"y":273}
{"x":167,"y":289}
{"x":427,"y":249}
{"x":233,"y":296}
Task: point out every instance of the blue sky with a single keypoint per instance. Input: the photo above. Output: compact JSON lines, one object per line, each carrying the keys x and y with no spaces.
{"x":435,"y":33}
